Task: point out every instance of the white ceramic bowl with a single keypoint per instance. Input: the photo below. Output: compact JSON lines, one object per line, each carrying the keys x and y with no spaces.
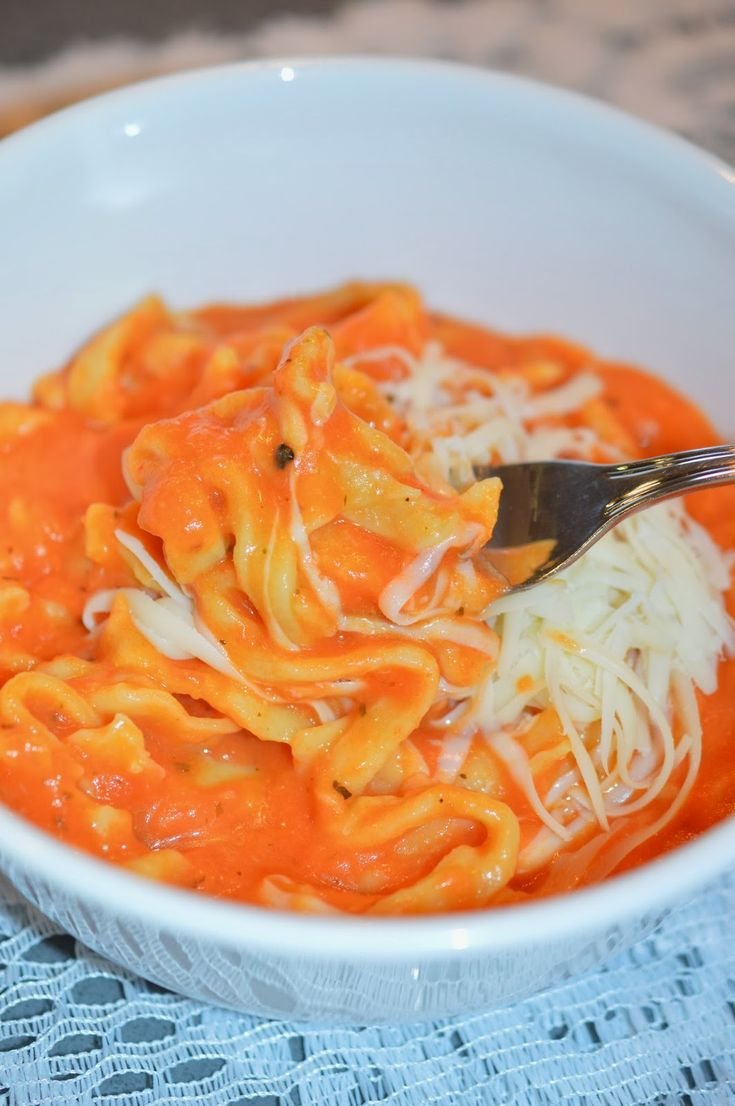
{"x":518,"y":205}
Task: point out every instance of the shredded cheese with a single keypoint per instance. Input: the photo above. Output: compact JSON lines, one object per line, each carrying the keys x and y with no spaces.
{"x":606,"y":643}
{"x":463,"y":415}
{"x":167,"y":620}
{"x":615,"y":646}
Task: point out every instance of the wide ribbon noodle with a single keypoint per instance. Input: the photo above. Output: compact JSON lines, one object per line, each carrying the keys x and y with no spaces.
{"x":253,"y":643}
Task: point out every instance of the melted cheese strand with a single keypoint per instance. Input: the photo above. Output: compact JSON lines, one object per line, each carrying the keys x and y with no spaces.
{"x":453,"y":752}
{"x":150,"y":564}
{"x":584,"y":762}
{"x":276,"y":631}
{"x":324,"y":588}
{"x":169,"y":622}
{"x":516,"y":761}
{"x":404,"y":586}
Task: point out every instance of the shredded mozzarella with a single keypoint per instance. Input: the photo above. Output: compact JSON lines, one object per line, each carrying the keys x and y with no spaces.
{"x":463,"y":415}
{"x":324,"y":587}
{"x":168,"y":620}
{"x":615,"y":646}
{"x":453,"y":753}
{"x":604,"y":644}
{"x":150,"y":564}
{"x":404,"y":586}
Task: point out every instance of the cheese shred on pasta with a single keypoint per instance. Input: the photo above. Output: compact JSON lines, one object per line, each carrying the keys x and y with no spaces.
{"x":274,"y":662}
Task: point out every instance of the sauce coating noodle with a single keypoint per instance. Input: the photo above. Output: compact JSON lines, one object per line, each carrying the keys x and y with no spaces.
{"x":250,"y":643}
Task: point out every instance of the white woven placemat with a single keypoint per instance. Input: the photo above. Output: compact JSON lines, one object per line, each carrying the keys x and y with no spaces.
{"x":657,"y":1025}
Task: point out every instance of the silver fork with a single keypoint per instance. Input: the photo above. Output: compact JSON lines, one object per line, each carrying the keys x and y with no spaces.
{"x":551,"y":512}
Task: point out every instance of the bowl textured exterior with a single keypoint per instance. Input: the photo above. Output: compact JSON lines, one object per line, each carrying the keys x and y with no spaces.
{"x":520,"y":206}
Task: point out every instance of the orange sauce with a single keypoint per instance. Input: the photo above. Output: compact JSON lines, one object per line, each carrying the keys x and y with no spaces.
{"x":237,"y":809}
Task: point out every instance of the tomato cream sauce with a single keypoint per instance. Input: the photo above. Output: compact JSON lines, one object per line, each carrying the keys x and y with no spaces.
{"x":235,"y":808}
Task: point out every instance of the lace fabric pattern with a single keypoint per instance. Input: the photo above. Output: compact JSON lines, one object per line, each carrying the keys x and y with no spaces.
{"x":655,"y":1025}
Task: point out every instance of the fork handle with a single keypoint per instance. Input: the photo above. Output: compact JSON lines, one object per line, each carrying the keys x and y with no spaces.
{"x":640,"y":483}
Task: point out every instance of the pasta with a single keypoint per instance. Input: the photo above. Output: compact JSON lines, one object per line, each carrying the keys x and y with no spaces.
{"x":252,"y":642}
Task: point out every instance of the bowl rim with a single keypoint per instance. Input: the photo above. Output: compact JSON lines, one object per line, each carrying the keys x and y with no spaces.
{"x":34,"y":854}
{"x":650,"y":888}
{"x":418,"y":67}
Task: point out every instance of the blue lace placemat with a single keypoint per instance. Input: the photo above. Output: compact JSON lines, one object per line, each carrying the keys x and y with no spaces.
{"x":655,"y":1026}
